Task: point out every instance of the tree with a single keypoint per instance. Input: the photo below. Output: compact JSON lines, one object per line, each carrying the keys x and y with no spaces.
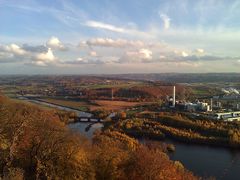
{"x":234,"y":139}
{"x":153,"y":164}
{"x":37,"y":144}
{"x":123,"y":115}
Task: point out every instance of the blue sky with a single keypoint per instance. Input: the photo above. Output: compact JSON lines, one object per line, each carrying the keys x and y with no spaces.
{"x":119,"y":36}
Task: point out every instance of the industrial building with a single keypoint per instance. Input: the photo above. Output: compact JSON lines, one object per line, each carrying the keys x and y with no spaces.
{"x":225,"y":116}
{"x":198,"y":106}
{"x":188,"y":106}
{"x":204,"y":108}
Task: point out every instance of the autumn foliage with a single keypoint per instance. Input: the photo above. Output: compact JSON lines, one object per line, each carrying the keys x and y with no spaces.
{"x":35,"y":144}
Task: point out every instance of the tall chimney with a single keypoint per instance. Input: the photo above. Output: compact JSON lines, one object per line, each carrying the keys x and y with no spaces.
{"x":211,"y":104}
{"x":174,"y":100}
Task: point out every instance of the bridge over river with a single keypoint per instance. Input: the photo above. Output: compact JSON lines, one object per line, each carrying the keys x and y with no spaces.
{"x":87,"y":119}
{"x":81,"y":116}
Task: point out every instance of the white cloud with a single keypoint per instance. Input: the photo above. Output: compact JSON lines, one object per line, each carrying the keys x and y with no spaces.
{"x":188,"y":64}
{"x":46,"y":57}
{"x":111,"y":60}
{"x":15,"y":49}
{"x":199,"y":51}
{"x":124,"y":51}
{"x":43,"y":59}
{"x":26,"y":54}
{"x":184,"y":54}
{"x":140,"y":56}
{"x":179,"y":53}
{"x":93,"y":61}
{"x":93,"y":53}
{"x":166,"y":21}
{"x":145,"y":53}
{"x":82,"y":44}
{"x":101,"y":25}
{"x":39,"y":63}
{"x":12,"y":53}
{"x":133,"y":31}
{"x":55,"y":43}
{"x":108,"y":42}
{"x":81,"y":61}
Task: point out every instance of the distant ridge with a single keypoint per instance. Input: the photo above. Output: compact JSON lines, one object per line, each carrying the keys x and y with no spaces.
{"x":183,"y":77}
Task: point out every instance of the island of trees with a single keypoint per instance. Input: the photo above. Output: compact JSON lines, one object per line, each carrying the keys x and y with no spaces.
{"x":179,"y":127}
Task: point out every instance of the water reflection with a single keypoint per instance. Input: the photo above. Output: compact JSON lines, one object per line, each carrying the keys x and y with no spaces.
{"x":81,"y":127}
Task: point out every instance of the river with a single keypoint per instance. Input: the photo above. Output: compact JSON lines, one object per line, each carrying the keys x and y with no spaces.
{"x":202,"y":160}
{"x":206,"y":161}
{"x":80,"y":127}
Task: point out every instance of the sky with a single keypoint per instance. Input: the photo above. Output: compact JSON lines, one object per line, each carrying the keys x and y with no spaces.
{"x":119,"y":36}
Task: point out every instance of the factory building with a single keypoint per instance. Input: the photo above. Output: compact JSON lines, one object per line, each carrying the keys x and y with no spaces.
{"x":198,"y":106}
{"x":188,"y":106}
{"x":225,"y":116}
{"x":204,"y":108}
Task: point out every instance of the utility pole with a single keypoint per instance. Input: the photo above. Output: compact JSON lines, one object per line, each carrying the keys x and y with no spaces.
{"x":174,"y":98}
{"x":112,"y":94}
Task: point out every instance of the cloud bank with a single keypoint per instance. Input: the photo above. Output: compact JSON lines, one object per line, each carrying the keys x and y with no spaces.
{"x":103,"y":51}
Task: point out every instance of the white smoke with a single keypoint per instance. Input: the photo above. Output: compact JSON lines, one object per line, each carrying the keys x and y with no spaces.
{"x":230,"y":91}
{"x":234,"y":91}
{"x":225,"y":91}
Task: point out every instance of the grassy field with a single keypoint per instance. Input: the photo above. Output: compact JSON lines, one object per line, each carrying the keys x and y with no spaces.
{"x":44,"y":107}
{"x":80,"y":105}
{"x":200,"y":92}
{"x":116,"y":105}
{"x":205,"y":89}
{"x":94,"y":105}
{"x":121,"y":85}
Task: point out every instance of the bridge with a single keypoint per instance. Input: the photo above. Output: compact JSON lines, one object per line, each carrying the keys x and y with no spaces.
{"x":87,"y":119}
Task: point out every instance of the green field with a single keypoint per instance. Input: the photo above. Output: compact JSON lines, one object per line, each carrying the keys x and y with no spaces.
{"x":80,"y":105}
{"x":121,"y":85}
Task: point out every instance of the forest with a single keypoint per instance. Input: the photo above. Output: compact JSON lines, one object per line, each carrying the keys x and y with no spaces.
{"x":35,"y":143}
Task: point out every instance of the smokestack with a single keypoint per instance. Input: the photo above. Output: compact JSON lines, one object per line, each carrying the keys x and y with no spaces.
{"x":211,"y":105}
{"x":174,"y":100}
